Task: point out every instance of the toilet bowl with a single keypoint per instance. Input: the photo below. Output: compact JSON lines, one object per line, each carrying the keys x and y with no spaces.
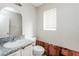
{"x":38,"y":50}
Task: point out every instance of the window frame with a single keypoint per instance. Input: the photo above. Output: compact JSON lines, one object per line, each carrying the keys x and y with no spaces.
{"x":51,"y":27}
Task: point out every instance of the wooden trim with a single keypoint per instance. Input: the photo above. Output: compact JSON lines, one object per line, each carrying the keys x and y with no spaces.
{"x":53,"y":50}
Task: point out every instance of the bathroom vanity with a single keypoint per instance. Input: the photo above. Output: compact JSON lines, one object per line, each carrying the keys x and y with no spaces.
{"x":22,"y":47}
{"x":25,"y":51}
{"x":11,"y":27}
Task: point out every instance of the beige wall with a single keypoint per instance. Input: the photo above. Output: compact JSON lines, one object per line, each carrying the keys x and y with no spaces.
{"x":28,"y":16}
{"x":67,"y":30}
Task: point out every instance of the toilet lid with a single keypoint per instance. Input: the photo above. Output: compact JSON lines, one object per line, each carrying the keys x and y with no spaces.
{"x":38,"y":48}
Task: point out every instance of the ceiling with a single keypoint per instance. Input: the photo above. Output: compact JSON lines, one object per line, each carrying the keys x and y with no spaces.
{"x":37,"y":4}
{"x":34,"y":4}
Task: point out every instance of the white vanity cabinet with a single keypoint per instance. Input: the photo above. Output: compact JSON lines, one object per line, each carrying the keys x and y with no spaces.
{"x":17,"y":53}
{"x":27,"y":51}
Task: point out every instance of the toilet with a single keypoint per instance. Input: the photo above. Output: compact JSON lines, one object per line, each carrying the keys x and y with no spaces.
{"x":38,"y":50}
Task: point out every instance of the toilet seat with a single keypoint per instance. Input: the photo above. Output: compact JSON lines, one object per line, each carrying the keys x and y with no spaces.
{"x":38,"y":50}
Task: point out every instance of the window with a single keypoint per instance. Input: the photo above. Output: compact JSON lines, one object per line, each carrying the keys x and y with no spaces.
{"x":49,"y":19}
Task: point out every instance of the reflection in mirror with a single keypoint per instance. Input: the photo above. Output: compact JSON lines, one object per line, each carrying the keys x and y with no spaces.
{"x":10,"y":23}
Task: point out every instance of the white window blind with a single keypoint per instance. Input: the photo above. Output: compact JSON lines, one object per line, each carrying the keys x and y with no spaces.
{"x":49,"y":21}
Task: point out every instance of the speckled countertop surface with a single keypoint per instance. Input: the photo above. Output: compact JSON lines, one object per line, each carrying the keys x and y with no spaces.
{"x":6,"y":51}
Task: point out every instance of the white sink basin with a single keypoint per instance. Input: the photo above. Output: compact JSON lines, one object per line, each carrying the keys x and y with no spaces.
{"x":15,"y":44}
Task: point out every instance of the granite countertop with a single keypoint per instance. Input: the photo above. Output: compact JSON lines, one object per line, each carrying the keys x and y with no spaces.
{"x":6,"y":51}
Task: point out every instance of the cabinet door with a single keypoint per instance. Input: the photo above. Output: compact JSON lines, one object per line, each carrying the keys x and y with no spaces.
{"x":27,"y":51}
{"x":17,"y":53}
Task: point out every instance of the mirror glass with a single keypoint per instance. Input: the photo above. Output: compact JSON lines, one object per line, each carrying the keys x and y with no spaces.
{"x":10,"y":22}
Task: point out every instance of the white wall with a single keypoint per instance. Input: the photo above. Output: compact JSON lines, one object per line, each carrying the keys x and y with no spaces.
{"x":28,"y":16}
{"x":67,"y":32}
